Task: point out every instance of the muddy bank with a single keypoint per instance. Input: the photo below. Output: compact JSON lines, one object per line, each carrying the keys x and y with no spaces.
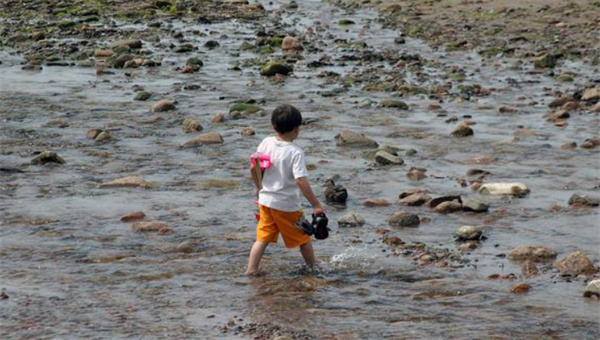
{"x":525,"y":30}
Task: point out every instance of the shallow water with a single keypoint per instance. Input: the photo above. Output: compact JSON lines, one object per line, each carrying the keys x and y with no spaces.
{"x":73,"y":270}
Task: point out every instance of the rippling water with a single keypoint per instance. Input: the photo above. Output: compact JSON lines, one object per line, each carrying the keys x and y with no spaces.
{"x":71,"y":269}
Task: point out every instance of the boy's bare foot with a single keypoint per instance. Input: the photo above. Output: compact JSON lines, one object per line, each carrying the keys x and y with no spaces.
{"x":254,"y":273}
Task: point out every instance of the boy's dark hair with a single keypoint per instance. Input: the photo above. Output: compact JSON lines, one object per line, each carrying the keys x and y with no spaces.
{"x":286,"y":118}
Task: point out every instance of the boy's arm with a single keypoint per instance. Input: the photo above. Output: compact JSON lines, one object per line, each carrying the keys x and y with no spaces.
{"x":302,"y":183}
{"x":257,"y":175}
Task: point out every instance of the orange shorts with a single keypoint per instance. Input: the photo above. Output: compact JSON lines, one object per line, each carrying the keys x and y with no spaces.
{"x":272,"y":222}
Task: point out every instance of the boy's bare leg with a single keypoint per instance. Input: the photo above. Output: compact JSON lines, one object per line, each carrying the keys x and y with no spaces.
{"x":256,"y":254}
{"x":308,"y":254}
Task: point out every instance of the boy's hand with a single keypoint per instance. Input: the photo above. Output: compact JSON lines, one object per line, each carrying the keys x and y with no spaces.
{"x":318,"y":210}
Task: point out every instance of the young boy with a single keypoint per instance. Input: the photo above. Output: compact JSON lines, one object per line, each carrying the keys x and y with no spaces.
{"x":278,"y":199}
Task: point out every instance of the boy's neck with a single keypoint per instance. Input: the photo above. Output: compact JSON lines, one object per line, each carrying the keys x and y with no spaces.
{"x":286,"y":137}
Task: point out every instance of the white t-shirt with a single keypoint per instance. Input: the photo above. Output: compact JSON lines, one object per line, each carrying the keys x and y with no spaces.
{"x":279,"y":189}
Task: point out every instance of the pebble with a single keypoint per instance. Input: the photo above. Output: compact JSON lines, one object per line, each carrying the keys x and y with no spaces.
{"x":468,"y":233}
{"x":475,"y":205}
{"x":409,"y":192}
{"x":581,"y":199}
{"x":104,"y":53}
{"x":138,"y":215}
{"x":351,"y":219}
{"x":462,"y":130}
{"x":131,"y":43}
{"x":515,"y":189}
{"x":248,"y":131}
{"x":154,"y":226}
{"x":126,"y":182}
{"x":404,"y":219}
{"x":211,"y":44}
{"x":354,"y":139}
{"x":592,"y":289}
{"x":191,"y":125}
{"x":218,"y":118}
{"x":575,"y":264}
{"x":163,"y":105}
{"x":385,"y":158}
{"x":416,"y":174}
{"x":47,"y":157}
{"x":121,"y":60}
{"x":291,"y":44}
{"x":393,"y":240}
{"x":558,"y":102}
{"x":103,"y":136}
{"x":194,"y":62}
{"x":376,"y":202}
{"x":414,"y":200}
{"x":93,"y":133}
{"x":508,"y":109}
{"x":590,"y":143}
{"x":533,"y":253}
{"x":448,"y":207}
{"x":520,"y":288}
{"x":591,"y":94}
{"x":448,"y":198}
{"x":394,"y":103}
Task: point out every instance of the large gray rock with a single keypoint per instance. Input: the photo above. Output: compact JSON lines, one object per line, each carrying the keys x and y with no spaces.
{"x":592,"y":289}
{"x":354,"y":139}
{"x":581,"y":199}
{"x":205,"y":139}
{"x":416,"y":199}
{"x":351,"y":219}
{"x":126,"y":182}
{"x":47,"y":157}
{"x":468,"y":233}
{"x":404,"y":219}
{"x":385,"y":158}
{"x":448,"y":207}
{"x":576,"y":263}
{"x":534,"y":253}
{"x":515,"y":189}
{"x":473,"y":204}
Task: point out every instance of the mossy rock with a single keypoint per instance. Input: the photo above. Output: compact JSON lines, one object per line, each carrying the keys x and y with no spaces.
{"x":244,"y":108}
{"x":545,"y":61}
{"x":345,"y":22}
{"x":275,"y":41}
{"x":267,"y":50}
{"x":274,"y":67}
{"x":67,"y":24}
{"x":194,"y":61}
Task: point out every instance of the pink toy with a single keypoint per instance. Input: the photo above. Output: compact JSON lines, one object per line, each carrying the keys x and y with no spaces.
{"x":264,"y":160}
